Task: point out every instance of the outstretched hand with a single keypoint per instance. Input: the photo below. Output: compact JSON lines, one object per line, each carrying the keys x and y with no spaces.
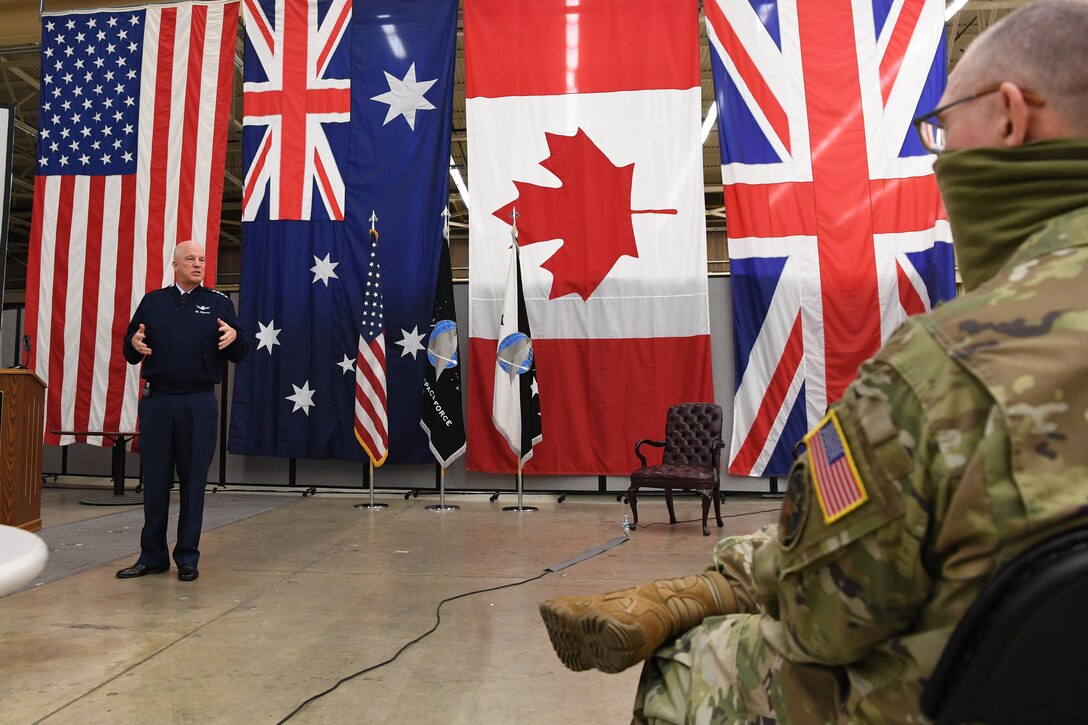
{"x":227,"y":334}
{"x":138,"y":341}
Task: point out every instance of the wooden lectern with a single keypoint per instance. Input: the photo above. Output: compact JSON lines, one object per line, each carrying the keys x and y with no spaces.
{"x":22,"y":396}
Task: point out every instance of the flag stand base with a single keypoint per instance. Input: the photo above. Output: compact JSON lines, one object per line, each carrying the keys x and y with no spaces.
{"x":370,"y":504}
{"x":440,"y":507}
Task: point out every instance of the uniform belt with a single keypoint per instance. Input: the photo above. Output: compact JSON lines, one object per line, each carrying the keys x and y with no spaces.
{"x":181,"y":388}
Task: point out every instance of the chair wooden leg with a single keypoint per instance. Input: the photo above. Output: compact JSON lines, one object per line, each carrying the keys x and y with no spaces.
{"x":718,"y":506}
{"x":706,"y":511}
{"x":632,"y":495}
{"x":668,"y":503}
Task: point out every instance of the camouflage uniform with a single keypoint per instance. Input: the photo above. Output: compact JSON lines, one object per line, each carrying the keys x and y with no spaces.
{"x":969,"y":433}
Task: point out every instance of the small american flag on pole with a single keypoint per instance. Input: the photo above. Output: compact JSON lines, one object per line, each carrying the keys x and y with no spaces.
{"x":131,"y":147}
{"x":838,"y":486}
{"x":371,"y":406}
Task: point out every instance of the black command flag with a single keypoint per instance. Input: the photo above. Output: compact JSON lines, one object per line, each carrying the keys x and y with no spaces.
{"x":442,"y":417}
{"x":516,"y":407}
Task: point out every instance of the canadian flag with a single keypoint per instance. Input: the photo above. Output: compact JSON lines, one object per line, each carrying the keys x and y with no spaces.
{"x":584,"y":117}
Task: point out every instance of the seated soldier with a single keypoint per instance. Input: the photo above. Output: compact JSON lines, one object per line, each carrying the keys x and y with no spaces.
{"x":967,"y":433}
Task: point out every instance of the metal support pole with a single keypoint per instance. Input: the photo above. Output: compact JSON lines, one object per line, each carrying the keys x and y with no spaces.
{"x":441,"y":506}
{"x":519,"y":507}
{"x":371,"y":504}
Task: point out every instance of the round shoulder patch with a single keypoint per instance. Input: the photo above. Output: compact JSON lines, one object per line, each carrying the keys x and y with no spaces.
{"x":795,"y":507}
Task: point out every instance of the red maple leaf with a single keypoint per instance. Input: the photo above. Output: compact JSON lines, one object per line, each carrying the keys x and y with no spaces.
{"x":590,"y":211}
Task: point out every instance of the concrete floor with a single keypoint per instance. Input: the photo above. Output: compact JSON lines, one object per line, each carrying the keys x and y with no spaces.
{"x":290,"y":601}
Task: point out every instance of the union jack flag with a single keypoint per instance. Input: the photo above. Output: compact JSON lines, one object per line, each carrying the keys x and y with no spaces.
{"x":836,"y":229}
{"x":294,"y":89}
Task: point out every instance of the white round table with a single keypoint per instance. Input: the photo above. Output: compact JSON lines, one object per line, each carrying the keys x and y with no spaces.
{"x":22,"y":558}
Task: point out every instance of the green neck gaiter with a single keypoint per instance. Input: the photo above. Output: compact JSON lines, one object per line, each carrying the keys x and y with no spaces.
{"x":998,"y":197}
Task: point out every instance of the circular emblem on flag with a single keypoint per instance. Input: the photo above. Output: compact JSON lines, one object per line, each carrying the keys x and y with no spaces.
{"x":515,"y":353}
{"x":442,"y":345}
{"x":795,"y":507}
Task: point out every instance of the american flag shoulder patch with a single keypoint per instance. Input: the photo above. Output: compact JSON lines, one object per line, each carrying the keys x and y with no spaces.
{"x":838,"y":486}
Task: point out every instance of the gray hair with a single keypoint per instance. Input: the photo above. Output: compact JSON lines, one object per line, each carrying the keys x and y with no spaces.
{"x":1041,"y":47}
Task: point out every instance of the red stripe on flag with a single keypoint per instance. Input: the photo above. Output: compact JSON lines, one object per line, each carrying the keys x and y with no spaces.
{"x":598,"y":417}
{"x":772,"y":109}
{"x":224,"y":96}
{"x":770,"y":210}
{"x":330,"y":43}
{"x":772,"y":402}
{"x":908,"y":296}
{"x":296,"y":43}
{"x":34,"y":269}
{"x":257,"y":17}
{"x":551,"y":48}
{"x":905,"y":205}
{"x":122,"y":303}
{"x":897,"y":45}
{"x":60,"y":311}
{"x":190,"y":122}
{"x":840,"y":172}
{"x":89,"y":327}
{"x":257,"y":168}
{"x":160,"y":136}
{"x":370,"y":377}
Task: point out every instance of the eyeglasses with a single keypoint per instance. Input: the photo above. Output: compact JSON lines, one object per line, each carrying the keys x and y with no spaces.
{"x":929,"y":126}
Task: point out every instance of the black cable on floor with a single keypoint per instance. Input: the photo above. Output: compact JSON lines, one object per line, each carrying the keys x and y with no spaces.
{"x":589,"y":553}
{"x":724,"y":516}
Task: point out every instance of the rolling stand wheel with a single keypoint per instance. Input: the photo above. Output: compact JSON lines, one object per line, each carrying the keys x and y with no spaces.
{"x":562,"y":498}
{"x":494,"y":497}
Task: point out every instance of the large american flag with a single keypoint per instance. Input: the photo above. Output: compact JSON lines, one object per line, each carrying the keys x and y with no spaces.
{"x":836,"y":229}
{"x":371,"y":406}
{"x":131,"y":148}
{"x":297,"y":95}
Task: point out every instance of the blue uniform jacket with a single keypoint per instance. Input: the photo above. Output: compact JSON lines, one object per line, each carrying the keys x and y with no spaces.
{"x":183,"y":335}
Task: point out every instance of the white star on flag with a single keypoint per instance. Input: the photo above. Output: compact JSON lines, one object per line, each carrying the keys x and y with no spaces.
{"x":303,"y":397}
{"x":411,"y":342}
{"x":405,"y":97}
{"x":268,"y":335}
{"x":323,"y":270}
{"x":347,"y":365}
{"x":536,"y":391}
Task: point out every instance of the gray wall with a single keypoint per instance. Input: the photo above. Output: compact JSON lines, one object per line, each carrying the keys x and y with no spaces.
{"x":258,"y":470}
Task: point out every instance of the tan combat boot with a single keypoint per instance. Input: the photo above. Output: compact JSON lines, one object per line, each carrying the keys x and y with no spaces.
{"x":610,"y":632}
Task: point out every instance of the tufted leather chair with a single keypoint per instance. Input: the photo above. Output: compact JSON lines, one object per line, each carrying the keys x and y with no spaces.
{"x":693,"y":444}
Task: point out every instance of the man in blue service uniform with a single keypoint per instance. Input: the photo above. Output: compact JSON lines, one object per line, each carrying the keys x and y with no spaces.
{"x":183,"y":334}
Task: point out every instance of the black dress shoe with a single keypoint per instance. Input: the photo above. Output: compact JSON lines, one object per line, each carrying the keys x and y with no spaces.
{"x":136,"y":570}
{"x":188,"y":572}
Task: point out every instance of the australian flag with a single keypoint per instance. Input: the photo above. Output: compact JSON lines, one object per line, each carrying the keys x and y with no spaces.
{"x":443,"y":419}
{"x":347,"y":119}
{"x":836,"y":229}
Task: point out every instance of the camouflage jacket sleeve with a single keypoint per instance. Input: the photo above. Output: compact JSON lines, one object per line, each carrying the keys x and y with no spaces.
{"x":841,"y":579}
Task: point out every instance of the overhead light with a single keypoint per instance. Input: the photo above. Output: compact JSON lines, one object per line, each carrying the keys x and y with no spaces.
{"x":711,"y":116}
{"x":954,"y":8}
{"x":455,"y":174}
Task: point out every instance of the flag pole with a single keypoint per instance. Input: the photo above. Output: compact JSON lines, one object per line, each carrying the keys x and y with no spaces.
{"x":441,"y":505}
{"x":520,"y":507}
{"x":371,"y":505}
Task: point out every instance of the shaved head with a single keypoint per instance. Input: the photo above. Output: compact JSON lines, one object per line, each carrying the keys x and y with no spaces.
{"x":185,"y":247}
{"x":1042,"y":47}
